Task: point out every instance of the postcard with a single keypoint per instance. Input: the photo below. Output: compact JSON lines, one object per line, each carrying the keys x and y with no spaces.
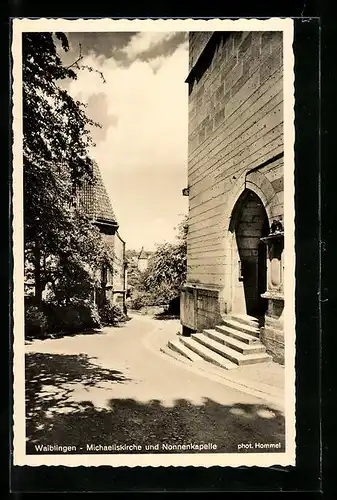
{"x":153,"y":240}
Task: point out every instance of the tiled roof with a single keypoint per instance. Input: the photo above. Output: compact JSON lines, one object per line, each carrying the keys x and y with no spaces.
{"x":144,"y":254}
{"x":95,"y":199}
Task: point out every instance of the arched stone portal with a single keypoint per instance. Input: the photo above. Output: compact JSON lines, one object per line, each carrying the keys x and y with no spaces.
{"x":249,"y":223}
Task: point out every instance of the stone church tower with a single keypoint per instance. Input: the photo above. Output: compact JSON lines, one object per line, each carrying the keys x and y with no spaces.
{"x":235,"y":185}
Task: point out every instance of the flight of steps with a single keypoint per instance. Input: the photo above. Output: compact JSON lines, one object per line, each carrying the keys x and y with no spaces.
{"x":229,"y":345}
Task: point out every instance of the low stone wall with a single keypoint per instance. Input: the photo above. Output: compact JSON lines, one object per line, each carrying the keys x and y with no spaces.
{"x":200,"y":307}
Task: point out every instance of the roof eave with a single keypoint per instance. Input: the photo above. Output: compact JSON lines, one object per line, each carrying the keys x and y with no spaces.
{"x":99,"y":221}
{"x":209,"y":47}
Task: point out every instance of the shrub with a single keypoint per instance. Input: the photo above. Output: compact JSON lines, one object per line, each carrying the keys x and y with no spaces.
{"x":142,"y":299}
{"x":89,"y":314}
{"x":69,"y":319}
{"x":111,"y":314}
{"x":55,"y":318}
{"x":73,"y":318}
{"x":137,"y":301}
{"x":36,"y":322}
{"x":159,"y":297}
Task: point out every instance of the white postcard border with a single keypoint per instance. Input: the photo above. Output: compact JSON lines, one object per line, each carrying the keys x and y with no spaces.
{"x":155,"y":460}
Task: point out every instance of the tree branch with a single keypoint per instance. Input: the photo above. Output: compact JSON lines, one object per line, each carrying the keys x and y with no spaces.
{"x":80,"y":57}
{"x":83,"y":66}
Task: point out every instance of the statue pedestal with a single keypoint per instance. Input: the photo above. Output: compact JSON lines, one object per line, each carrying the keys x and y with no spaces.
{"x":272,"y":334}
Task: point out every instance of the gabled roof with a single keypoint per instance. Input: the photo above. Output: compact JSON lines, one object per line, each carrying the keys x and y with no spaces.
{"x":95,"y":199}
{"x":144,"y":254}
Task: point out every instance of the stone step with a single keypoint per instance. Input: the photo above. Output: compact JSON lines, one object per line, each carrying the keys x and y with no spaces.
{"x":231,"y":325}
{"x":245,"y":319}
{"x":228,"y":352}
{"x":207,"y":354}
{"x":179,"y":347}
{"x":234,"y":343}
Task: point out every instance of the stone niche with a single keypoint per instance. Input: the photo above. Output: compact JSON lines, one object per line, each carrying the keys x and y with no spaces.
{"x":272,"y":334}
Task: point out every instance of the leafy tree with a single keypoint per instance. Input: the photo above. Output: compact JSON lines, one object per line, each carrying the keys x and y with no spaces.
{"x":133,"y":271}
{"x":167,"y":268}
{"x":61,"y":245}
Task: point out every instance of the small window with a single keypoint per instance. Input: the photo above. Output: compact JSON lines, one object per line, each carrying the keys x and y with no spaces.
{"x":104,"y":274}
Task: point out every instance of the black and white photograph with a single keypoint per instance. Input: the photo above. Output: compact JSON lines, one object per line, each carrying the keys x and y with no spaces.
{"x":153,"y":237}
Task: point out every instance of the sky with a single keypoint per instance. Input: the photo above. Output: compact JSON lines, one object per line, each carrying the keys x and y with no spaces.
{"x":142,"y":104}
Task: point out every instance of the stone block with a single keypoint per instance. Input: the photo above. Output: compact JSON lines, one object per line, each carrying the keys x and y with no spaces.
{"x":277,"y":210}
{"x":256,"y":45}
{"x":219,"y":93}
{"x":201,"y":136}
{"x":274,"y":342}
{"x":275,"y":309}
{"x":277,"y":40}
{"x":245,"y":45}
{"x":267,"y":39}
{"x":228,"y":66}
{"x":278,"y":184}
{"x":230,"y":47}
{"x":209,"y":129}
{"x":240,"y":82}
{"x":243,"y":95}
{"x":219,"y":117}
{"x":271,"y":64}
{"x":233,"y":76}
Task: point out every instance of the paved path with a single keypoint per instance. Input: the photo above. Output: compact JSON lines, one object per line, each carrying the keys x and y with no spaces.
{"x":115,"y":387}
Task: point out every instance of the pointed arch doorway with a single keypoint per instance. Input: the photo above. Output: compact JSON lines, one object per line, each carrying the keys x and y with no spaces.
{"x":249,"y":223}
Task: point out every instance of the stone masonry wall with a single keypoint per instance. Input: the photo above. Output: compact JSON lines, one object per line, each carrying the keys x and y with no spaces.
{"x":235,"y":125}
{"x":197,"y":43}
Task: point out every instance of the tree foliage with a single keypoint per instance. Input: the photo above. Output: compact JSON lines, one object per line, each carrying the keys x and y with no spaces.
{"x":133,"y":272}
{"x":61,"y":245}
{"x":166,"y":271}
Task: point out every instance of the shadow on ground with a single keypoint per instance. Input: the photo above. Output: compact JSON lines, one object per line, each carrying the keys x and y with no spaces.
{"x":76,"y":333}
{"x":54,"y":417}
{"x":51,"y":380}
{"x":166,"y":316}
{"x":172,"y":311}
{"x":59,"y":335}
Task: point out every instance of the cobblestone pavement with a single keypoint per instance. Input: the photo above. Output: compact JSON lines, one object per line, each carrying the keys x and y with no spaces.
{"x":112,"y":388}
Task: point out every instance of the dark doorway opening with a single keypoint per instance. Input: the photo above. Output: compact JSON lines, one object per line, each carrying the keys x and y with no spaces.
{"x":252,"y":225}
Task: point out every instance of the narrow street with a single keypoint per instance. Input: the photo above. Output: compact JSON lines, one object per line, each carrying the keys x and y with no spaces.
{"x":115,"y":387}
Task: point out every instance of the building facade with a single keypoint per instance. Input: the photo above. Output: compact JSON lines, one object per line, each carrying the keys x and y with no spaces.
{"x":96,"y":203}
{"x":143,"y":260}
{"x":235,"y":183}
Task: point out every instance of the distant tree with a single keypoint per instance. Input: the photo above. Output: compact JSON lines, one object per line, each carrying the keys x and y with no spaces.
{"x":133,"y":272}
{"x":61,"y":245}
{"x":166,"y":271}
